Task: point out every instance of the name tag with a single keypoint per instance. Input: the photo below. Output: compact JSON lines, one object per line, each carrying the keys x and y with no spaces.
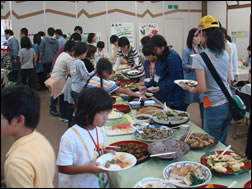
{"x":156,"y":78}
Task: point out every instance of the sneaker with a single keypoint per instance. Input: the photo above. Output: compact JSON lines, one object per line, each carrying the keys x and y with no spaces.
{"x":55,"y":114}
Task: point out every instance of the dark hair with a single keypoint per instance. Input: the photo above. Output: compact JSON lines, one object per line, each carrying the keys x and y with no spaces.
{"x":91,"y":50}
{"x":90,"y":102}
{"x":75,"y":37}
{"x":80,"y":48}
{"x":24,"y":31}
{"x":123,"y":41}
{"x":249,"y":48}
{"x":26,"y":43}
{"x":37,"y":39}
{"x":190,"y":37}
{"x":103,"y":65}
{"x":90,"y":37}
{"x":113,"y":39}
{"x":159,"y":41}
{"x":51,"y":31}
{"x":100,"y":44}
{"x":215,"y":40}
{"x":78,"y":28}
{"x":64,"y":35}
{"x":148,"y":50}
{"x":69,"y":46}
{"x":145,"y":40}
{"x":226,"y":36}
{"x":10,"y":32}
{"x":58,"y":32}
{"x":21,"y":100}
{"x":41,"y":33}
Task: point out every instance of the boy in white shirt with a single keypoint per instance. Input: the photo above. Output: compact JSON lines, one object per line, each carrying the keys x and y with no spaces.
{"x":101,"y":52}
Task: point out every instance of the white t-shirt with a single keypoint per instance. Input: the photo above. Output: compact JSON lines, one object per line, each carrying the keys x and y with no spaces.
{"x":72,"y":152}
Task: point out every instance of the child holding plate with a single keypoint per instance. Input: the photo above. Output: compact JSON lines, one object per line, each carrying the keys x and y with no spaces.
{"x":83,"y":143}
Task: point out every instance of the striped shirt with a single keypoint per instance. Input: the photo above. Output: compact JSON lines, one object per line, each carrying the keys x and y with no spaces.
{"x":108,"y":85}
{"x":132,"y":58}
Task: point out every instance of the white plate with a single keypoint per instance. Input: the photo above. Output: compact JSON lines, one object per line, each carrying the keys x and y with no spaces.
{"x":108,"y":157}
{"x":206,"y":172}
{"x":185,"y":80}
{"x":156,"y":182}
{"x":120,"y":115}
{"x":133,"y":72}
{"x":117,"y":131}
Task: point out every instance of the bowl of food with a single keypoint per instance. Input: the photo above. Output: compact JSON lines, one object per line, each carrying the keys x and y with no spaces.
{"x":135,"y":104}
{"x":182,"y":82}
{"x":142,"y":118}
{"x":124,"y":97}
{"x":191,"y":174}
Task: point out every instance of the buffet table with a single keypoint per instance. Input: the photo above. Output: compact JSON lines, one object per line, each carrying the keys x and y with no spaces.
{"x":153,"y":167}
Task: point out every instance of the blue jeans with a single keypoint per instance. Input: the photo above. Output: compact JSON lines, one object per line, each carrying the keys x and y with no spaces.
{"x":217,"y":121}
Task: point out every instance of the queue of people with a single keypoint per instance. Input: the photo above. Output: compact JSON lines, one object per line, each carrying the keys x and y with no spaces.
{"x":79,"y":76}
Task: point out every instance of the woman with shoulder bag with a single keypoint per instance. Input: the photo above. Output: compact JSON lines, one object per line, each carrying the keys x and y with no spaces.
{"x":217,"y":114}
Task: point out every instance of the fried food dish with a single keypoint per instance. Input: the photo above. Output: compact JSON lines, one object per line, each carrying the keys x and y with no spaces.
{"x":136,"y":150}
{"x":198,"y":140}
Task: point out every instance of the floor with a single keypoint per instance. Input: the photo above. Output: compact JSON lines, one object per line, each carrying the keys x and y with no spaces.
{"x":53,"y":129}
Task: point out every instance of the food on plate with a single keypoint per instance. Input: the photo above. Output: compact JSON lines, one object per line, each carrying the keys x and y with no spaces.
{"x":118,"y":162}
{"x":209,"y":186}
{"x":133,"y":72}
{"x":155,"y":184}
{"x":154,"y":134}
{"x":121,"y":129}
{"x":199,"y":140}
{"x":177,"y":118}
{"x":114,"y":115}
{"x":147,"y":110}
{"x":188,"y":82}
{"x":137,"y":150}
{"x":148,"y":94}
{"x":161,"y":116}
{"x":183,"y":114}
{"x":190,"y":175}
{"x":143,"y":117}
{"x":231,"y":161}
{"x":171,"y":113}
{"x":119,"y":77}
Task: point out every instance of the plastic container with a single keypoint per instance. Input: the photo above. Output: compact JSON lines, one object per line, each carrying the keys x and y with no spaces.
{"x":135,"y":104}
{"x":149,"y":103}
{"x":142,"y":121}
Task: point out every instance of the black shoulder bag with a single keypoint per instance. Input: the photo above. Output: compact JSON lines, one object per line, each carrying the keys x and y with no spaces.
{"x":237,"y":107}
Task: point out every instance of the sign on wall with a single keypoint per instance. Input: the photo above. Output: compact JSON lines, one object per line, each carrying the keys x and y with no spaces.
{"x":124,"y":30}
{"x":5,"y":24}
{"x":147,"y":30}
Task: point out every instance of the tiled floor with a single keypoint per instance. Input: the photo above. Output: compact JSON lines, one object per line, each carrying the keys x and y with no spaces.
{"x":53,"y":129}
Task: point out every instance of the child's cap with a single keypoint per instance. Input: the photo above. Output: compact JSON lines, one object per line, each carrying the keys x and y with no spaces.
{"x":5,"y":48}
{"x":208,"y":22}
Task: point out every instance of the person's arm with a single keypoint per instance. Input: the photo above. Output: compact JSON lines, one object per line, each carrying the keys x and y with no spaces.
{"x":201,"y":87}
{"x":117,"y":63}
{"x":20,"y":57}
{"x":130,"y":93}
{"x":186,"y":60}
{"x":35,"y":60}
{"x":235,"y":63}
{"x":42,"y":46}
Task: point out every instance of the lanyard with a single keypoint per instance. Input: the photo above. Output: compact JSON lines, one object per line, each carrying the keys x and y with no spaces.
{"x":97,"y":146}
{"x":195,"y":51}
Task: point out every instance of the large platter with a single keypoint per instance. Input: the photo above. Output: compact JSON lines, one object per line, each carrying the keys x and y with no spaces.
{"x":179,"y":117}
{"x":161,"y":127}
{"x":206,"y":173}
{"x":244,"y":169}
{"x":133,"y":150}
{"x":207,"y":145}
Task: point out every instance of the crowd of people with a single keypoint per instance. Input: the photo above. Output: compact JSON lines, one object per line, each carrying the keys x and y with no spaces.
{"x":79,"y":74}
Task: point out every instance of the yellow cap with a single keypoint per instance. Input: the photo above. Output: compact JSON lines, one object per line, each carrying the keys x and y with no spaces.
{"x":208,"y":22}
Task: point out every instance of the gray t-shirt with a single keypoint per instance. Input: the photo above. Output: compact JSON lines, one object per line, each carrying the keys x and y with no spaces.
{"x":221,"y":64}
{"x":79,"y":75}
{"x":27,"y":56}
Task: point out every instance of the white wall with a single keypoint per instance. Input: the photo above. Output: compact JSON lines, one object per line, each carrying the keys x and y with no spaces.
{"x":102,"y":23}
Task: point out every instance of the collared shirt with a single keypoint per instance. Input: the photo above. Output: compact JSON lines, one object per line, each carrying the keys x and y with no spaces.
{"x":30,"y":163}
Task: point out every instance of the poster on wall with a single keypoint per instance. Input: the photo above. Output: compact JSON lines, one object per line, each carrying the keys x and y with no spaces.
{"x":5,"y":24}
{"x":147,"y":30}
{"x":123,"y":30}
